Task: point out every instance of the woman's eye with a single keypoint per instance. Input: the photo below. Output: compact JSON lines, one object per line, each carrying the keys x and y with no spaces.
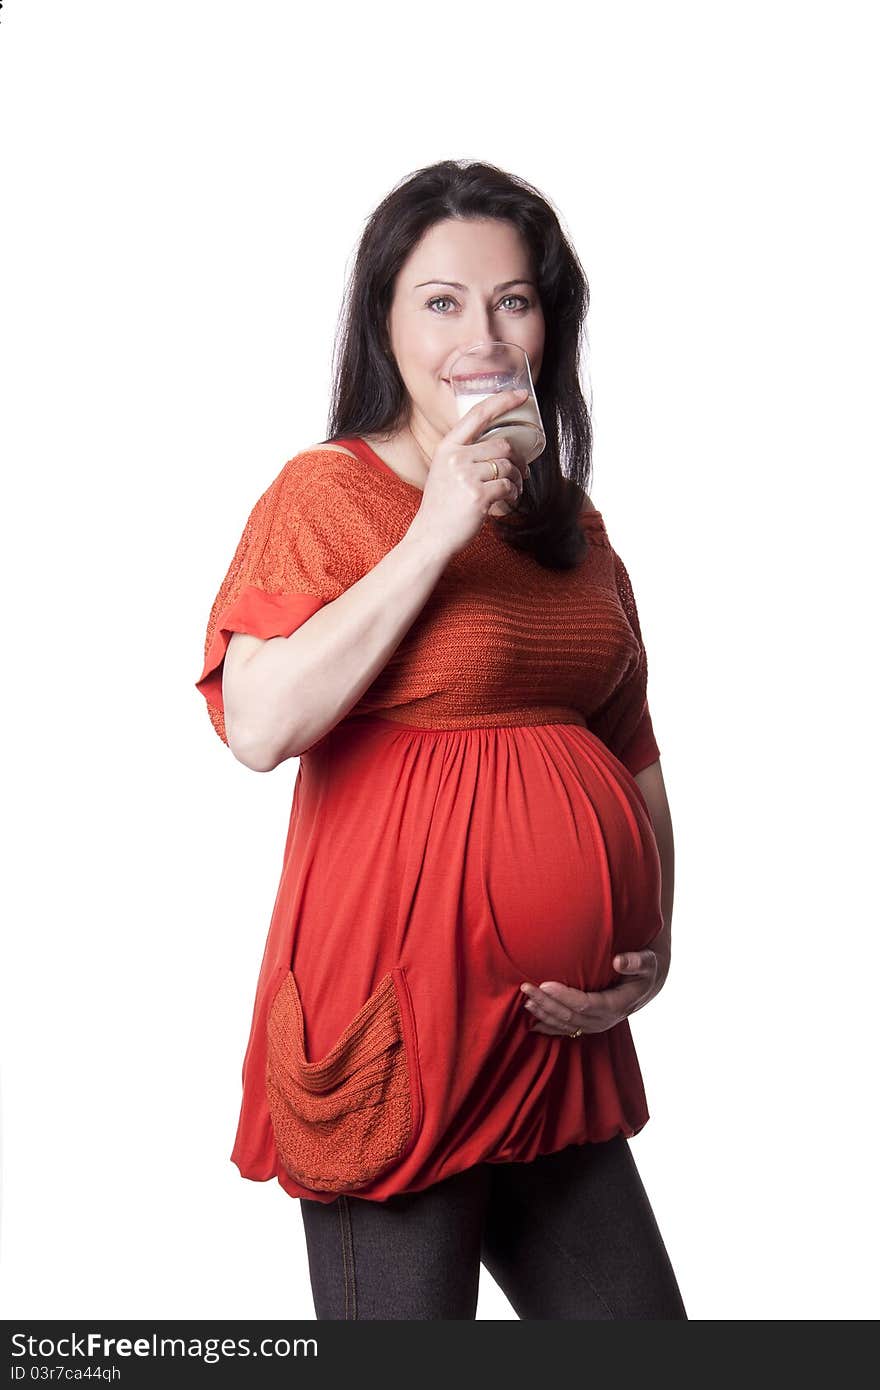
{"x":447,"y":299}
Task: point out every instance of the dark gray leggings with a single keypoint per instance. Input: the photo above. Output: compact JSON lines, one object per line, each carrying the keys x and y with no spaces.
{"x":570,"y":1235}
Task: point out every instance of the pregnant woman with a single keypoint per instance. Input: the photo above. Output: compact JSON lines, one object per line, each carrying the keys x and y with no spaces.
{"x":477,"y":882}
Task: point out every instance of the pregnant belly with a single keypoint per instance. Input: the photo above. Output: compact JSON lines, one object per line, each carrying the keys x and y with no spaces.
{"x":570,"y":861}
{"x":524,"y":851}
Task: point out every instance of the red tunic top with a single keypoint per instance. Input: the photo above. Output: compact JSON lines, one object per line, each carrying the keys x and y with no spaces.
{"x":472,"y":823}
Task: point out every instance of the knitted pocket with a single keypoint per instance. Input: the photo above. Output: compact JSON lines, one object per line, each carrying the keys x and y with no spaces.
{"x":342,"y":1120}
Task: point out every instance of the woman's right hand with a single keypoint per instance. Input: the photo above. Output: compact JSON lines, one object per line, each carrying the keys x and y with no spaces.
{"x":461,"y":488}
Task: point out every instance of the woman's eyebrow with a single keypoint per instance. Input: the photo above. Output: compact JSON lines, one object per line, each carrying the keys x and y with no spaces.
{"x":453,"y":284}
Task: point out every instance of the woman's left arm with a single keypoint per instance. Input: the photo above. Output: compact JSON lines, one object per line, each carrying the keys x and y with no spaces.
{"x":653,"y":789}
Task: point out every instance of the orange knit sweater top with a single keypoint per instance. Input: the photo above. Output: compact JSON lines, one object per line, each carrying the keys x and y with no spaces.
{"x":501,"y":640}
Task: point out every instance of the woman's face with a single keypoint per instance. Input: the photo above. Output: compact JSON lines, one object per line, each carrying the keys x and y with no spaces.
{"x":430,"y":322}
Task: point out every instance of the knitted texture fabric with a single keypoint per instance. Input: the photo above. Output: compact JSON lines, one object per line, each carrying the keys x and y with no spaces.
{"x":341,"y":1120}
{"x":500,"y":641}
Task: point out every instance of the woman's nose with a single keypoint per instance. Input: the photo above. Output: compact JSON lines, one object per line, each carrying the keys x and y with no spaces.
{"x":481,"y":328}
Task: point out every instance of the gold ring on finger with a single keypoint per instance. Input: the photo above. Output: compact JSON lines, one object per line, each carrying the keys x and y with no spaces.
{"x":576,"y":1034}
{"x":495,"y":466}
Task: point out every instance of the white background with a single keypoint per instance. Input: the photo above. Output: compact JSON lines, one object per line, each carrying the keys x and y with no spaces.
{"x":184,"y":188}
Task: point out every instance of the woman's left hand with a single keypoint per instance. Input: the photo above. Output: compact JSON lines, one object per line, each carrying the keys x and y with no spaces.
{"x":559,"y":1009}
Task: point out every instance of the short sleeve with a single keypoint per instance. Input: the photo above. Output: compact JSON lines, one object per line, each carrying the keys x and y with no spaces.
{"x":641,"y":749}
{"x":293,"y":557}
{"x":624,"y":722}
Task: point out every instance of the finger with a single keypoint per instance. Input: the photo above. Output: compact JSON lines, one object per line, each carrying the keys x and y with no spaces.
{"x":539,"y":1020}
{"x":551,"y":1030}
{"x":623,"y":998}
{"x":496,"y":446}
{"x":498,"y":449}
{"x":518,"y":472}
{"x":542,"y":1005}
{"x":634,"y":962}
{"x":565,"y":1030}
{"x":576,"y":1000}
{"x":602,"y":1025}
{"x":471,"y":426}
{"x":508,"y":472}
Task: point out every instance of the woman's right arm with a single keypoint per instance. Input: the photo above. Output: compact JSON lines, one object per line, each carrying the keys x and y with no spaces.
{"x":283,"y":694}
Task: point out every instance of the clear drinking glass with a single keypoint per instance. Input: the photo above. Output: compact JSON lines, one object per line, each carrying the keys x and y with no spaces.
{"x":483,"y":370}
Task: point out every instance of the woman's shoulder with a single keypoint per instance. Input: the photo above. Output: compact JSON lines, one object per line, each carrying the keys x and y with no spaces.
{"x":316,"y":458}
{"x":325,"y":448}
{"x":318,"y":470}
{"x":317,"y":487}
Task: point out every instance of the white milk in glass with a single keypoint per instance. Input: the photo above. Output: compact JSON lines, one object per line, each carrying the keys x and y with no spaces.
{"x":521,"y":425}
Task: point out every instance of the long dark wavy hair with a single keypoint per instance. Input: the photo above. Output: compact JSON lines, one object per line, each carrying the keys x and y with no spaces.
{"x":368,"y":395}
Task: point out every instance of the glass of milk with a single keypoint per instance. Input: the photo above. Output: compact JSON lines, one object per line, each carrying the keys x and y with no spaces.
{"x":483,"y":370}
